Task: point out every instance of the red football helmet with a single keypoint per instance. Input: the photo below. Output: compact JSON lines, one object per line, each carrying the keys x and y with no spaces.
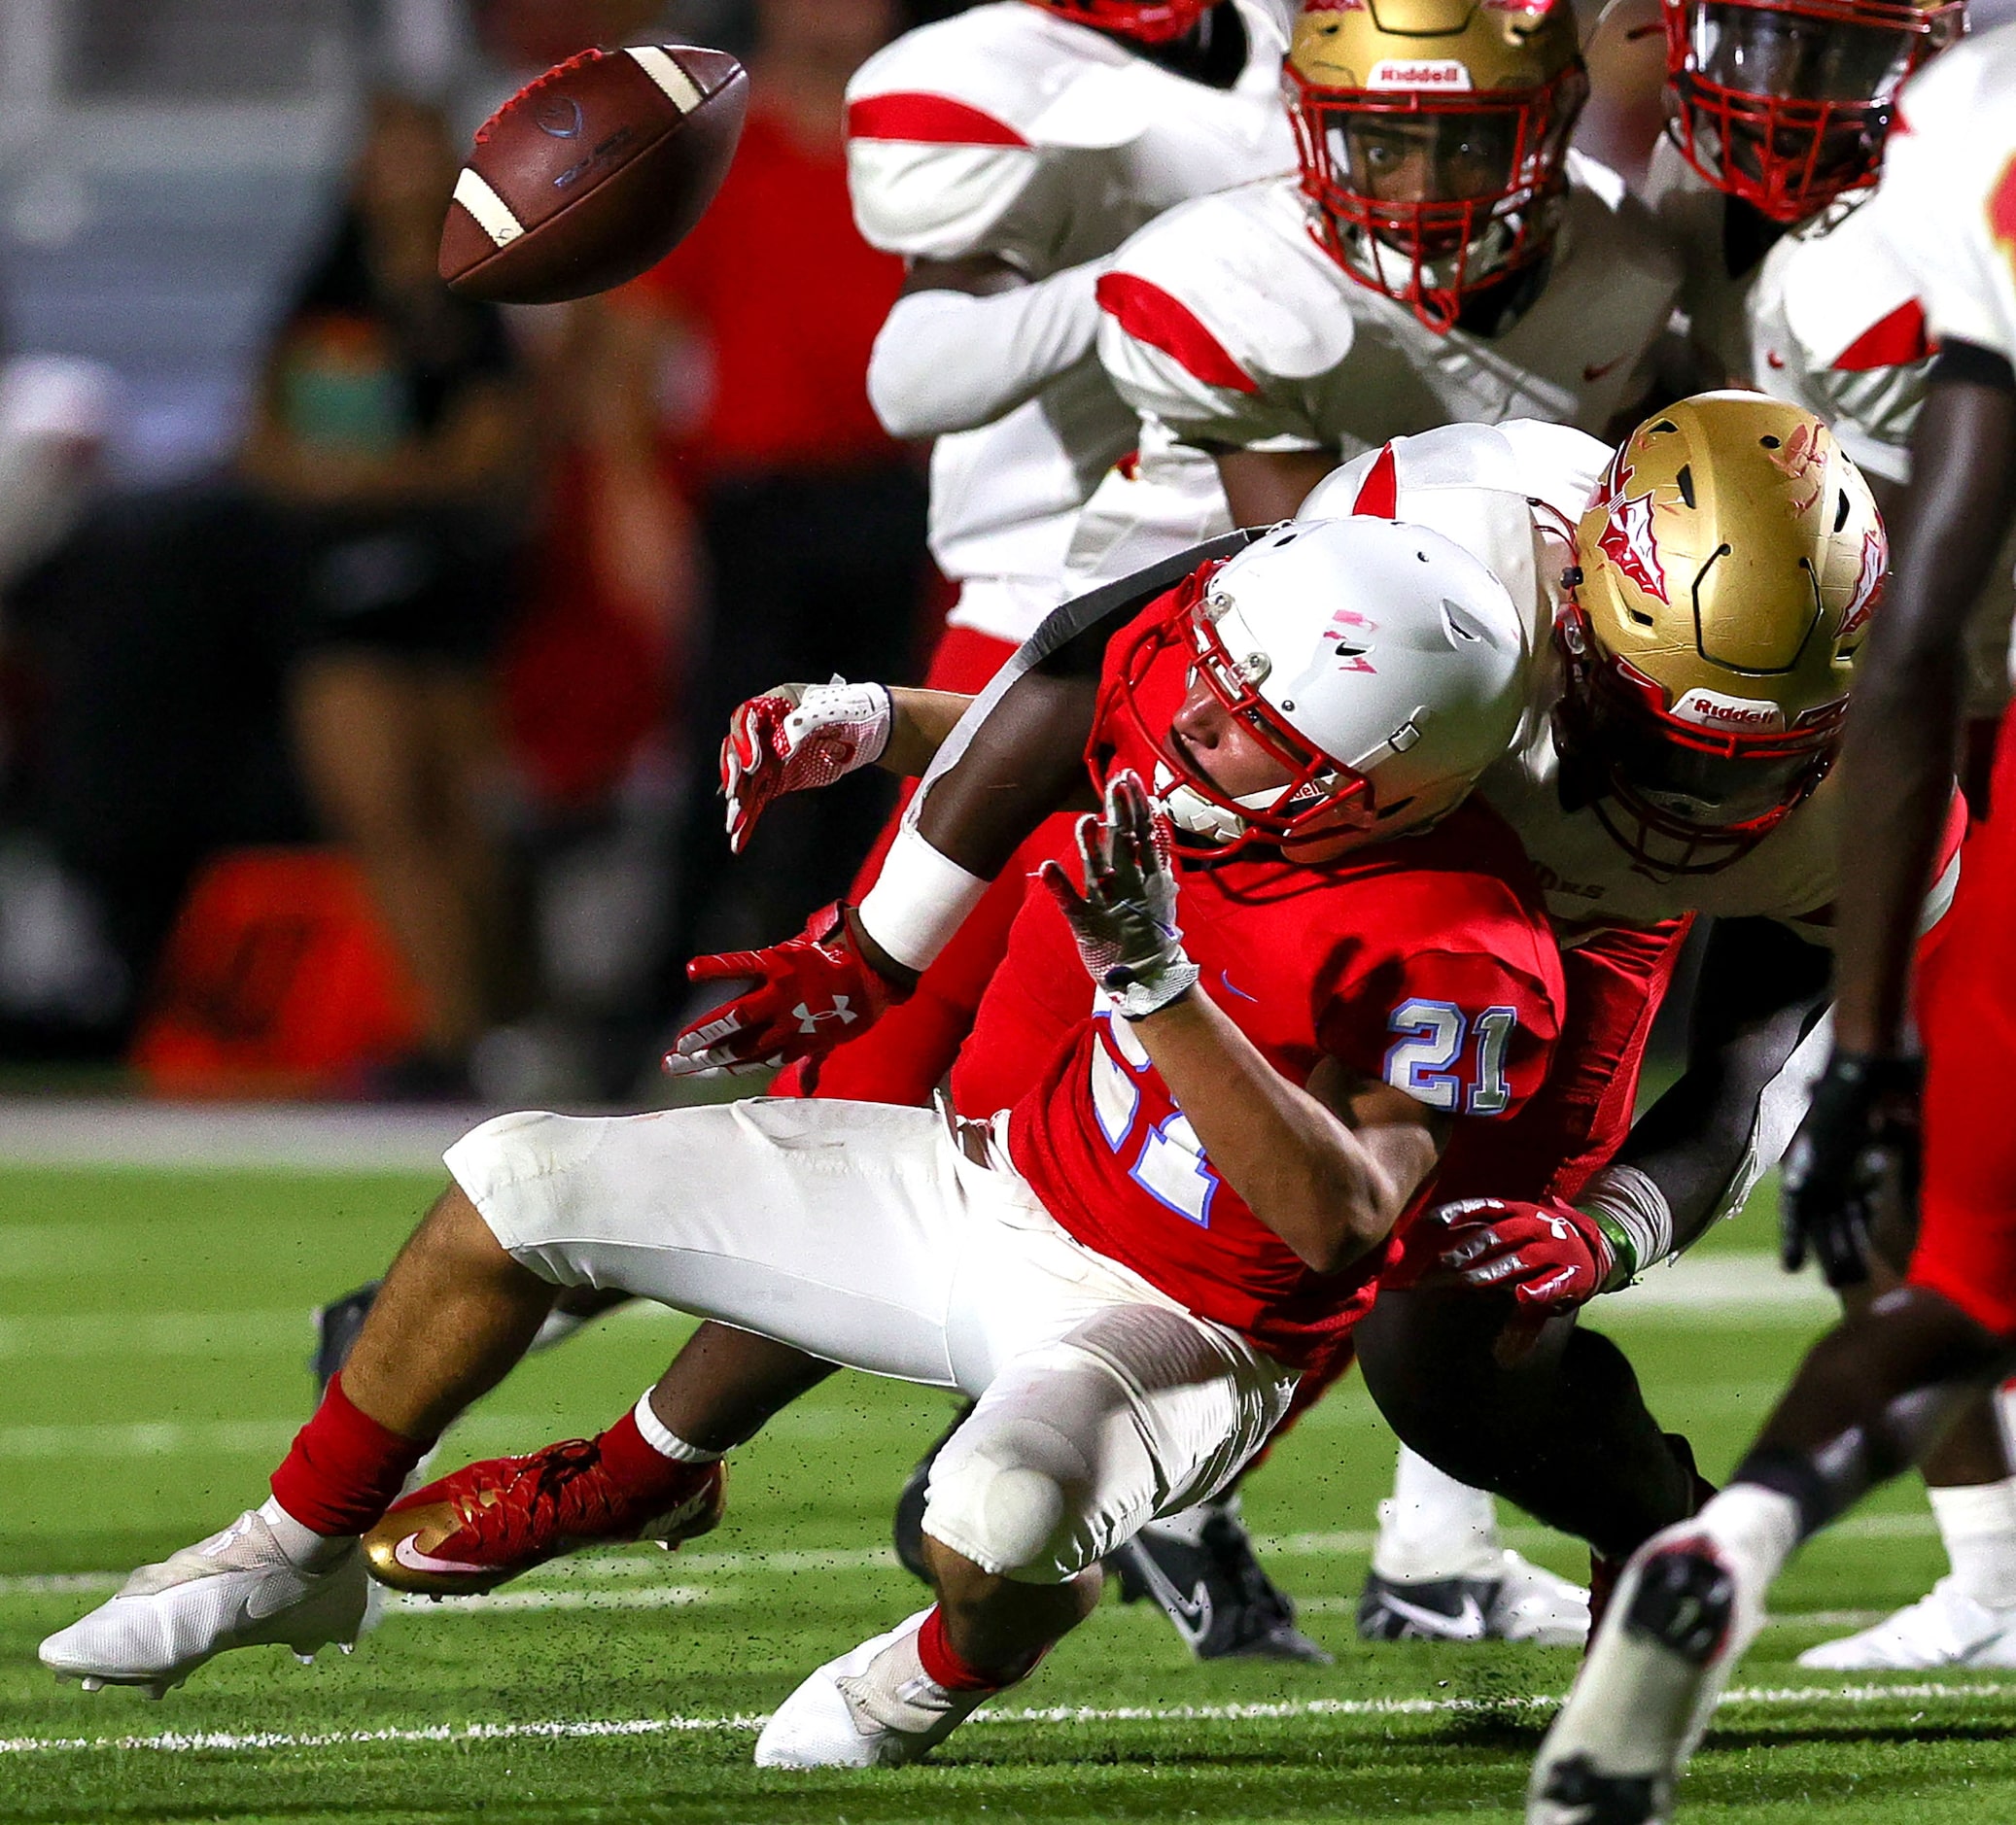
{"x":1784,"y":103}
{"x":1145,"y":22}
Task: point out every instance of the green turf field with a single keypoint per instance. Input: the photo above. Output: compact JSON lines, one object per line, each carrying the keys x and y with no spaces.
{"x":152,"y":1329}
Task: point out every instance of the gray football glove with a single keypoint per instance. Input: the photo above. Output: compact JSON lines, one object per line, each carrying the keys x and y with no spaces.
{"x":1125,"y":921}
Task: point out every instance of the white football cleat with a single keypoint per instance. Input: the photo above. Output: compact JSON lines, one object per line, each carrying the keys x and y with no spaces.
{"x":1503,"y":1598}
{"x":1675,"y":1627}
{"x":1945,"y":1628}
{"x":875,"y":1706}
{"x":236,"y":1588}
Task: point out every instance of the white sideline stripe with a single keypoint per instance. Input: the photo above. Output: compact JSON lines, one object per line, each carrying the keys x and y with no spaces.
{"x":663,"y":69}
{"x":297,"y":1137}
{"x":178,"y":1743}
{"x":492,"y":213}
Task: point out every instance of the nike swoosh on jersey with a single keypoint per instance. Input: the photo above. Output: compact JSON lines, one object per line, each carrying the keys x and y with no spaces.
{"x":414,"y":1560}
{"x":1466,"y":1624}
{"x":1595,"y":371}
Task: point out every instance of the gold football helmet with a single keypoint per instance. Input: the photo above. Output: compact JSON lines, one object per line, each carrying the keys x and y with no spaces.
{"x":1727,"y":567}
{"x":1432,"y":136}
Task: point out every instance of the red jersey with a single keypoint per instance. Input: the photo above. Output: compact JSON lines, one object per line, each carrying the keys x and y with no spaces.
{"x":1425,"y":962}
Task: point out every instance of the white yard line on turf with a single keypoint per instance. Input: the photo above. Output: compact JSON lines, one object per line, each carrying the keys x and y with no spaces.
{"x":179,"y":1742}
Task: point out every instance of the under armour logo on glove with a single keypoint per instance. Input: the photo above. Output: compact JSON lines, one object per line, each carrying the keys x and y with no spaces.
{"x":809,"y":1021}
{"x":809,"y":991}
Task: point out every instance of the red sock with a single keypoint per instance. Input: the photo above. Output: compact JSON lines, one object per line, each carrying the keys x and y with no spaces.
{"x":941,"y":1660}
{"x":635,"y":1466}
{"x":344,"y":1469}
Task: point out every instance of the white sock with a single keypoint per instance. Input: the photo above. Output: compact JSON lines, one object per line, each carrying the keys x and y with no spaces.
{"x":1978,"y":1523}
{"x":1433,"y":1526}
{"x":663,"y":1439}
{"x":1755,"y":1528}
{"x":304,"y":1548}
{"x":1188,"y":1525}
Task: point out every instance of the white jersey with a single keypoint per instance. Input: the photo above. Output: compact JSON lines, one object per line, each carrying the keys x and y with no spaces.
{"x":1228,"y":325}
{"x":1836,"y":325}
{"x":1948,"y":197}
{"x":1009,"y":130}
{"x":1456,"y":480}
{"x":1714,"y":300}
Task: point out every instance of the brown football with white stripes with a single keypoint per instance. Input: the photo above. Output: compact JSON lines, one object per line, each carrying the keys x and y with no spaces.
{"x":592,"y":173}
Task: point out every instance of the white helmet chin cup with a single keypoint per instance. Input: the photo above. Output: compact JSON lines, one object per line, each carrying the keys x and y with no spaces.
{"x":1383,"y":645}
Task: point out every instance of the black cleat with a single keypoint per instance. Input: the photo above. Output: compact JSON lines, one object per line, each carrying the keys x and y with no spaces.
{"x":910,"y":1505}
{"x":1588,"y":1797}
{"x":336,"y":1326}
{"x":1684,"y":1601}
{"x":1213,"y":1589}
{"x":1430,"y":1609}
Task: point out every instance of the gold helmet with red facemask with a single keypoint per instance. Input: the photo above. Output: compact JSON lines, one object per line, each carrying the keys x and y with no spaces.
{"x":1432,"y":136}
{"x":1785,"y":103}
{"x":1381,"y":665}
{"x":1145,"y":22}
{"x":1728,"y":569}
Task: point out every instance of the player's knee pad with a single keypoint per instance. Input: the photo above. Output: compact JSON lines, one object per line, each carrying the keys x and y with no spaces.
{"x":521,"y":1173}
{"x":1013,"y":1499}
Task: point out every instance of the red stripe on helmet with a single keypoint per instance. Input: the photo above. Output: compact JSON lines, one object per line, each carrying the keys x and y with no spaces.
{"x":1379,"y":493}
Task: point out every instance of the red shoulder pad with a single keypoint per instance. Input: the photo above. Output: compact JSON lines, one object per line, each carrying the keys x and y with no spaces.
{"x":1151,"y":314}
{"x":930,"y":120}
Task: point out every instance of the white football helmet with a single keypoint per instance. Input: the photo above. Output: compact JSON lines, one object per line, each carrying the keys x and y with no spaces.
{"x":1381,"y":663}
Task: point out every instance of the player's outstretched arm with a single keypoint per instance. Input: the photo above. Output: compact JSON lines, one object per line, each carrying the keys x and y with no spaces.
{"x":1328,"y":1169}
{"x":971,"y":339}
{"x":796,"y":737}
{"x":1857,"y":1150}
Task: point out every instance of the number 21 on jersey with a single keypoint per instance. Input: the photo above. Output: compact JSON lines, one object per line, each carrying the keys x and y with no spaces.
{"x":1449,"y":1061}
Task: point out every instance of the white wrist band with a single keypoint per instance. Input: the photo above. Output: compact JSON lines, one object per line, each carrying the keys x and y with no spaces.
{"x":1637,"y":1206}
{"x":918,"y":900}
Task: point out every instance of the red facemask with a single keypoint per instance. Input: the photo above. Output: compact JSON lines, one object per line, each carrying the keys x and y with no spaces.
{"x":1491,"y":172}
{"x":1785,"y":105}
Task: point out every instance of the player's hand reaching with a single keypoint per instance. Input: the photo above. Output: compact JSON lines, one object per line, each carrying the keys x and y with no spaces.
{"x":1125,"y":921}
{"x":811,"y":993}
{"x":1551,"y":1257}
{"x":796,"y":737}
{"x":1853,"y":1163}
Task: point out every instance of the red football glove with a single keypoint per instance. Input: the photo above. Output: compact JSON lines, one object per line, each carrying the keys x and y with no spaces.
{"x":1550,"y":1257}
{"x":797,"y":738}
{"x":812,"y":991}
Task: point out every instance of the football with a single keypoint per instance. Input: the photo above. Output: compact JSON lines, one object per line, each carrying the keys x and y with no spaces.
{"x":592,"y":173}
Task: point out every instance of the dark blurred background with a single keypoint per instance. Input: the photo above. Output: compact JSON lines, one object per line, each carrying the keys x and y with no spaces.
{"x":363,"y":651}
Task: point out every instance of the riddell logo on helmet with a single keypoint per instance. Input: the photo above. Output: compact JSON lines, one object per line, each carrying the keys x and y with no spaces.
{"x":1418,"y":73}
{"x":1709,"y":710}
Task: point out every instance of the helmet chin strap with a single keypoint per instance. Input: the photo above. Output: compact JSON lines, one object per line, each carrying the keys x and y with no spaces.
{"x":1196,"y":816}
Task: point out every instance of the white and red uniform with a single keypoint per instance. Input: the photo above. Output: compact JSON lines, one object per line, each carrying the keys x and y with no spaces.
{"x":1948,"y":205}
{"x":1836,"y":325}
{"x":1714,"y":300}
{"x":1011,"y":131}
{"x":1620,"y":924}
{"x":1227,"y":325}
{"x":1132,"y":1330}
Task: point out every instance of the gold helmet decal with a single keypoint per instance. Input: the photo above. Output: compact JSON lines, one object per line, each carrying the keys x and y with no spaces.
{"x":1432,"y":136}
{"x":1728,"y":567}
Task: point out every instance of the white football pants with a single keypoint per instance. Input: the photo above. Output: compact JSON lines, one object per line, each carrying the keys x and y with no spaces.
{"x":861,"y":1233}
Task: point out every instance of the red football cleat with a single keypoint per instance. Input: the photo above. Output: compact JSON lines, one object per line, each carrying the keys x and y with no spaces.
{"x":488,"y":1522}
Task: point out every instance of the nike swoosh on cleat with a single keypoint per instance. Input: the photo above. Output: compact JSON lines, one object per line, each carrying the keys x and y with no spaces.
{"x":1466,"y":1624}
{"x":1192,"y":1615}
{"x":414,"y":1560}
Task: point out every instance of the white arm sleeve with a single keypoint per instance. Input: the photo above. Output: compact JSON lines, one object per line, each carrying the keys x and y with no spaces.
{"x":948,"y":362}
